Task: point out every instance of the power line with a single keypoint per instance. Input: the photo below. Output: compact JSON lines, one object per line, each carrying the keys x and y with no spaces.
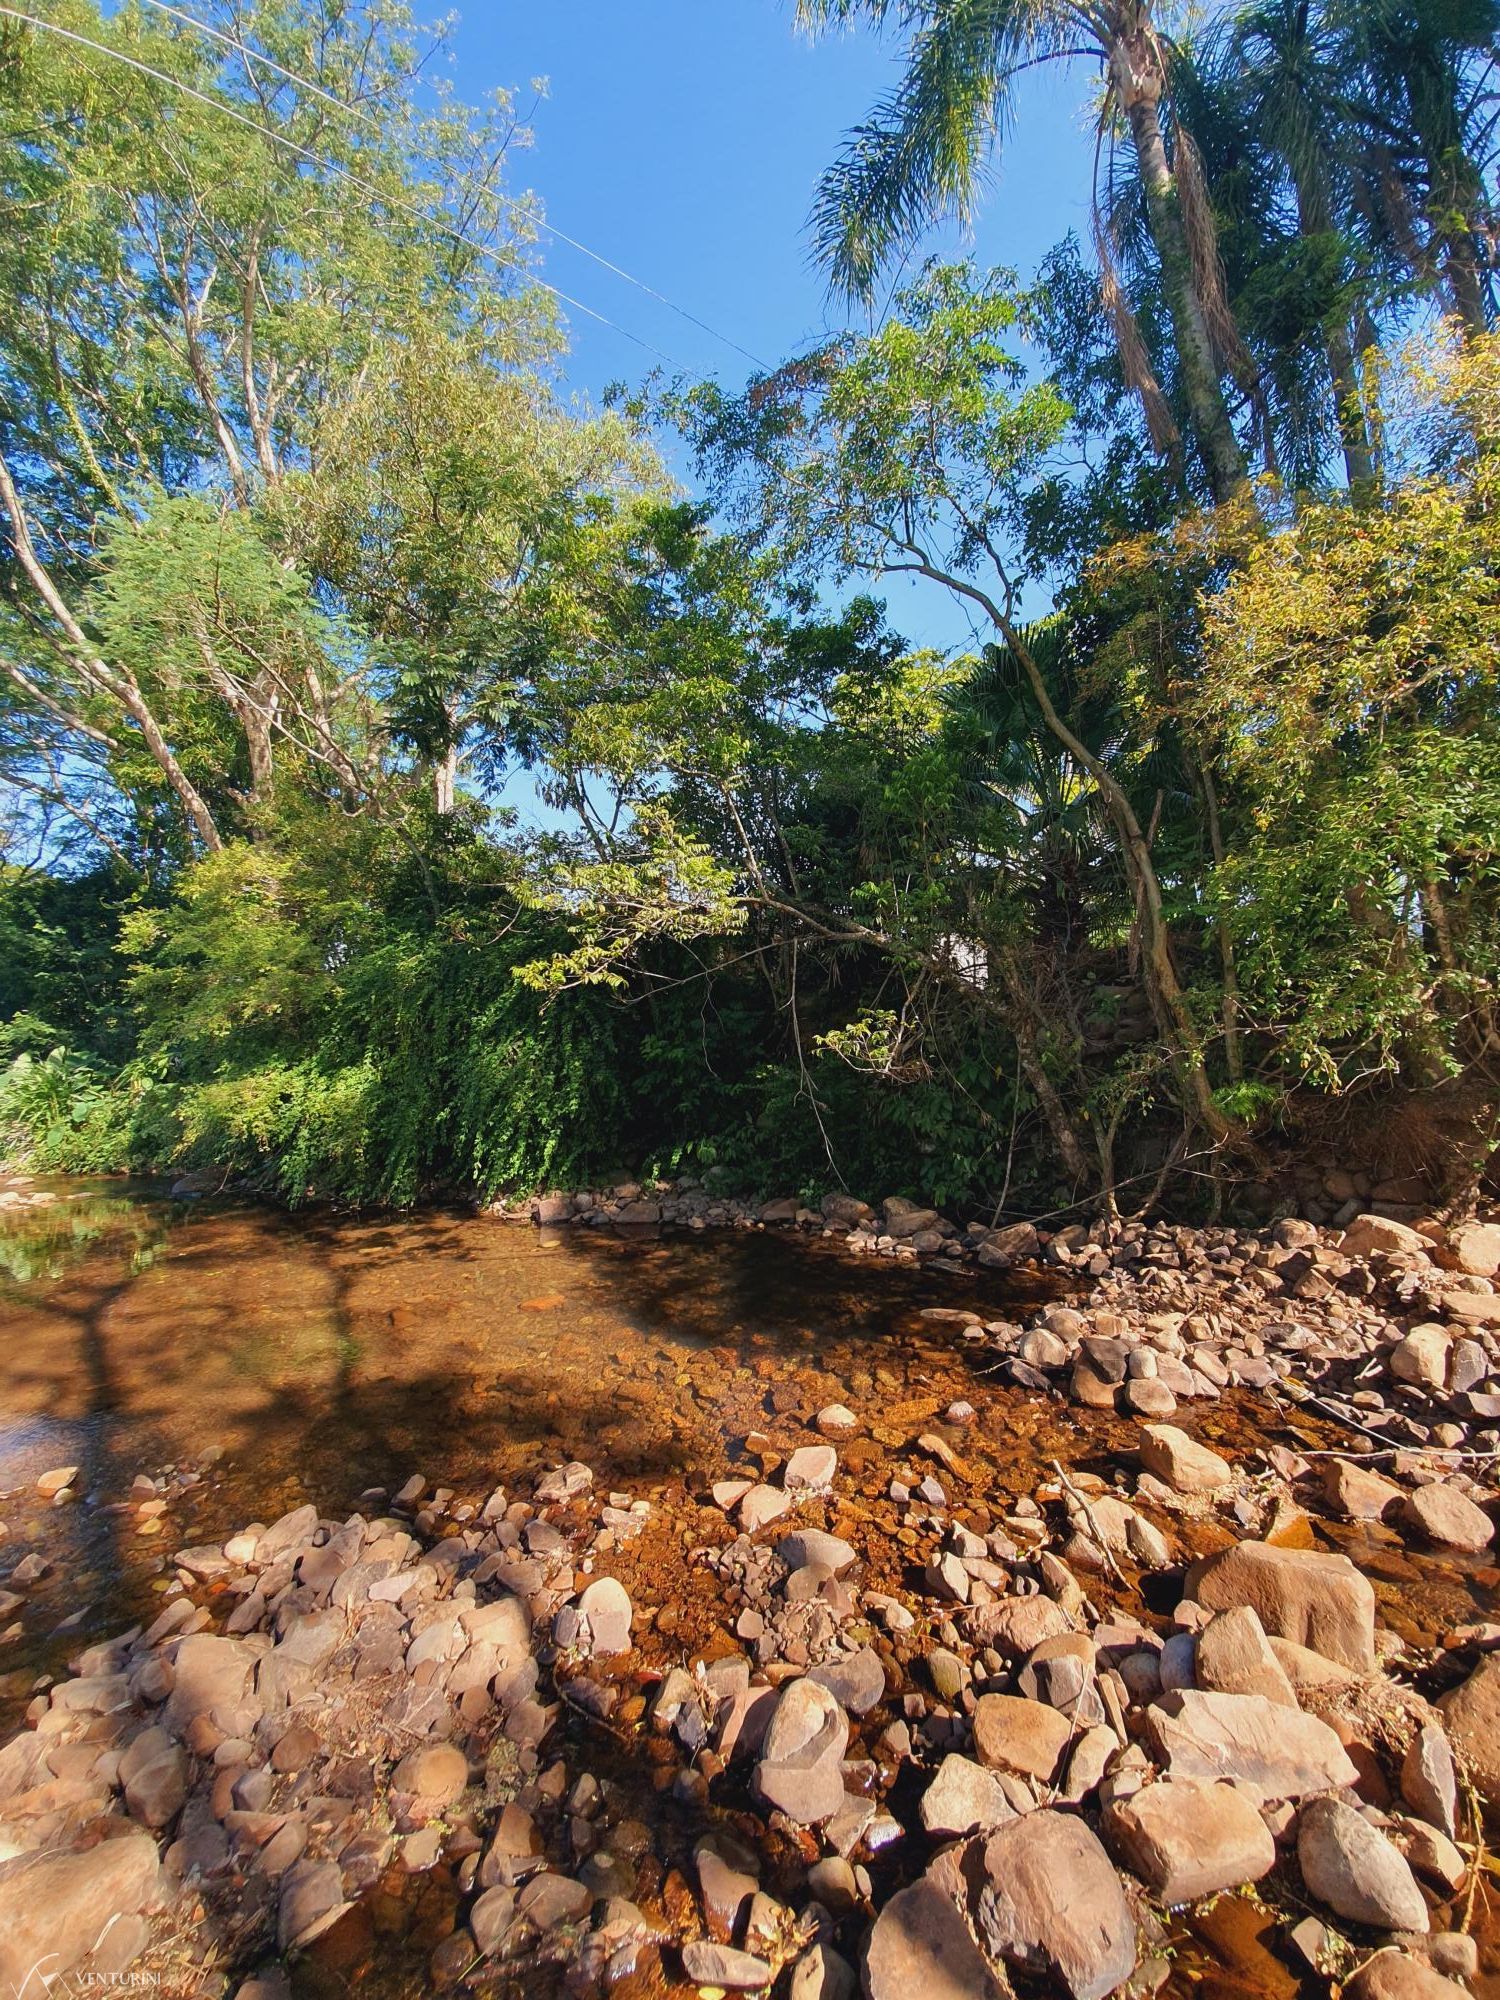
{"x":329,"y":166}
{"x":353,"y":111}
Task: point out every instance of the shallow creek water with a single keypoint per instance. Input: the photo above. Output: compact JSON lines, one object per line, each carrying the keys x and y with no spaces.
{"x":325,"y":1355}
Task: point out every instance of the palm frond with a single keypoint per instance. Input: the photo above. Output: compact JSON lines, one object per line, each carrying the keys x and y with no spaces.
{"x":922,"y":152}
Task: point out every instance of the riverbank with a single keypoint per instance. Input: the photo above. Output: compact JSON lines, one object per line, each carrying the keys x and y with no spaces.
{"x":994,"y":1664}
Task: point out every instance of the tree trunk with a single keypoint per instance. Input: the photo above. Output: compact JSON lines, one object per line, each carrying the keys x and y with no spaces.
{"x":1020,"y":1021}
{"x":1234,"y":1062}
{"x":445,"y":782}
{"x":1136,"y":69}
{"x":1315,"y":218}
{"x":118,"y":685}
{"x":1170,"y":1003}
{"x":1354,"y":434}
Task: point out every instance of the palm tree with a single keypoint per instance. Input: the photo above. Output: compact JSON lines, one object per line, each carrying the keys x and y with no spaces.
{"x":1282,"y":64}
{"x":922,"y":150}
{"x":1426,"y":68}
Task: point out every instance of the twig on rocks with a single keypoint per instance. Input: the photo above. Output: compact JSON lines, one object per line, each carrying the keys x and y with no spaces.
{"x":1094,"y":1529}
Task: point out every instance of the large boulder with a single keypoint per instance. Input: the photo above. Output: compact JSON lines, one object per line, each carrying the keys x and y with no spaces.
{"x":1052,"y":1904}
{"x":1269,"y":1751}
{"x":1351,"y":1866}
{"x":1315,"y":1599}
{"x":1190,"y":1838}
{"x":1367,"y":1234}
{"x":920,"y":1949}
{"x":1471,"y":1712}
{"x":54,"y":1908}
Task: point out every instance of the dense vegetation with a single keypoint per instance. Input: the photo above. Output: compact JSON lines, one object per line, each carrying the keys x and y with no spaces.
{"x":306,"y":556}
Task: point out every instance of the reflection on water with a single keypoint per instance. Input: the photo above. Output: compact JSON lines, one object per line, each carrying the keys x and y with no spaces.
{"x":326,"y":1354}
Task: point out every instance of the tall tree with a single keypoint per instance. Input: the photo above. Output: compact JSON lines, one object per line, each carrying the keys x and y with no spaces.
{"x":923,"y":149}
{"x":198,"y":254}
{"x":1425,"y":71}
{"x":1282,"y":64}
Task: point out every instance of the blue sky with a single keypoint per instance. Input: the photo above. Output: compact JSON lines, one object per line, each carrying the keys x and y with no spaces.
{"x":683,"y":139}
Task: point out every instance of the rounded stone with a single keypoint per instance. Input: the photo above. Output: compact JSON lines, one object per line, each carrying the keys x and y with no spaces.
{"x":1351,"y":1866}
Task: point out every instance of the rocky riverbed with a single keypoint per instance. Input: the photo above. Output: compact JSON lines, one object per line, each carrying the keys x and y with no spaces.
{"x":1156,"y":1653}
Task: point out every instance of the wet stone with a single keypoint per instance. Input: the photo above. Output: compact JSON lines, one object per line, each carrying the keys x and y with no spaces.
{"x":719,"y":1965}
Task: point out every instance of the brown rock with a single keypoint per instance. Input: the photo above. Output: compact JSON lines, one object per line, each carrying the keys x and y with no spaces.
{"x":719,"y":1965}
{"x":55,"y":1907}
{"x":1351,"y":1866}
{"x":962,"y":1799}
{"x":1015,"y":1626}
{"x":1011,"y":1734}
{"x":1356,"y":1493}
{"x":1421,"y":1359}
{"x":1181,"y":1462}
{"x":801,"y":1766}
{"x":1396,"y":1975}
{"x":1234,"y":1657}
{"x":1190,"y":1838}
{"x":207,"y":1673}
{"x":1306,"y":1669}
{"x":1052,"y":1903}
{"x":921,"y":1946}
{"x":1429,"y":1783}
{"x":1471,"y":1713}
{"x":1318,"y":1600}
{"x":312,"y":1901}
{"x":1476,"y":1248}
{"x":1442,"y":1514}
{"x":1368,"y":1233}
{"x":153,"y":1774}
{"x":435,"y":1773}
{"x":1271,"y":1752}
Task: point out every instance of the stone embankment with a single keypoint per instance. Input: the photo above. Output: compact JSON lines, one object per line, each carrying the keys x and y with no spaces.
{"x":962,"y":1738}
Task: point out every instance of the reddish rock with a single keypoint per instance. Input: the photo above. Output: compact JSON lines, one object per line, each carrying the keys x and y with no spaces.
{"x":1318,"y":1600}
{"x":1190,"y":1838}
